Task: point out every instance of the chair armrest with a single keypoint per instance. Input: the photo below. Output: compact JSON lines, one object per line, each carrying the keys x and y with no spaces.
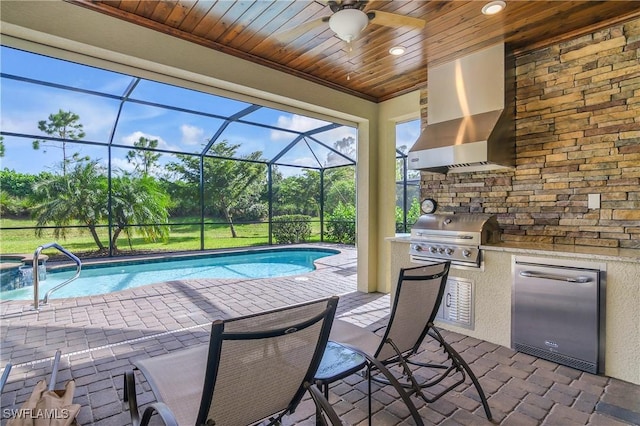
{"x":131,"y":400}
{"x":163,"y":411}
{"x":323,"y":405}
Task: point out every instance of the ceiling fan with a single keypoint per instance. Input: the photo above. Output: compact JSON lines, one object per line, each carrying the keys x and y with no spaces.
{"x":349,"y":19}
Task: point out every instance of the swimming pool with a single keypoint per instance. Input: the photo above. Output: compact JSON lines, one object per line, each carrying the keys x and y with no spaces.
{"x":111,"y":277}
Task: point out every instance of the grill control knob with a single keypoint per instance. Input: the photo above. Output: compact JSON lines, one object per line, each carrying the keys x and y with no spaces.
{"x":449,"y":251}
{"x":432,"y":249}
{"x":466,"y":253}
{"x":417,"y":247}
{"x":440,"y":250}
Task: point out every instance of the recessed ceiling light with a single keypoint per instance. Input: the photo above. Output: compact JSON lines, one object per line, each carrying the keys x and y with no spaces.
{"x":493,"y":7}
{"x":397,"y":50}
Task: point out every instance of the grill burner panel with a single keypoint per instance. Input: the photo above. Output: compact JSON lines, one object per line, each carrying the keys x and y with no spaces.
{"x":459,"y":255}
{"x":437,"y":237}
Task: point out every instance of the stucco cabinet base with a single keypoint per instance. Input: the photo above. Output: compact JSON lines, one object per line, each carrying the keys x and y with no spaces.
{"x":493,"y":288}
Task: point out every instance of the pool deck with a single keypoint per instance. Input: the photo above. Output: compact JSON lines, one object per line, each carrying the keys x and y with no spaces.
{"x":100,"y":336}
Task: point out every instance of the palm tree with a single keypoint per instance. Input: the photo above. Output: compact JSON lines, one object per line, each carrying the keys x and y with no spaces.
{"x":139,"y":201}
{"x":79,"y":195}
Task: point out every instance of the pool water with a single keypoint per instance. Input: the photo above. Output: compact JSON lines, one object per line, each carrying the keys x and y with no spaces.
{"x":108,"y":278}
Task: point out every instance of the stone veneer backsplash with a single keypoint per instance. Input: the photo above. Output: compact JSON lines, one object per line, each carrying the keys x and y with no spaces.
{"x":577,"y":133}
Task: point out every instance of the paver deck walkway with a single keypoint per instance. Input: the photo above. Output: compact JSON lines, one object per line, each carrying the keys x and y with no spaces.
{"x":100,"y":336}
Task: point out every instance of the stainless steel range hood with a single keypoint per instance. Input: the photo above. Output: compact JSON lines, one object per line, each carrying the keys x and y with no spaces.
{"x":471,"y":108}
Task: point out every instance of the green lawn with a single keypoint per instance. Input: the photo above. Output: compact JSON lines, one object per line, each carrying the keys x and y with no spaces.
{"x":181,"y":237}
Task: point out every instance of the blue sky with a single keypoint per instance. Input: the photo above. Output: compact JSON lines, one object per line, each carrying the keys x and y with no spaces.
{"x":406,"y":134}
{"x":23,"y":104}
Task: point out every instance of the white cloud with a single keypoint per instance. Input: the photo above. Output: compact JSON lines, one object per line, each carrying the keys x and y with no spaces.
{"x":337,"y":134}
{"x":192,"y":135}
{"x":406,"y":135}
{"x":296,"y":123}
{"x":19,"y":123}
{"x":330,"y":137}
{"x":96,"y":115}
{"x":306,"y":162}
{"x":118,"y":164}
{"x":135,"y":136}
{"x":405,"y":143}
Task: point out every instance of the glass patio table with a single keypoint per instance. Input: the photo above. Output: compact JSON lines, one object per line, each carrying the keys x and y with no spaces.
{"x":337,"y":362}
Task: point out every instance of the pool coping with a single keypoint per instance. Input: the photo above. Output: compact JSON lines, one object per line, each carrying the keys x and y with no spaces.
{"x":96,"y":263}
{"x":62,"y":265}
{"x":24,"y":258}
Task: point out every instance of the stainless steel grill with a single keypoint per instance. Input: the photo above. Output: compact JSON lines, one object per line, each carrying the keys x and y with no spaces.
{"x":456,"y":237}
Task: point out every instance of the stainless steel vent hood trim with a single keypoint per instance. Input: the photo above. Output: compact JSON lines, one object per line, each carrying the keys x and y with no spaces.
{"x":471,"y":108}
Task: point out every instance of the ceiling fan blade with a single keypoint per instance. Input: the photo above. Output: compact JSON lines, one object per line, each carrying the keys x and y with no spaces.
{"x":295,"y":32}
{"x":394,"y":20}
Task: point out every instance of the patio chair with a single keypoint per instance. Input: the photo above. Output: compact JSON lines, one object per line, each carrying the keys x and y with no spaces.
{"x":255,"y":368}
{"x":415,"y":306}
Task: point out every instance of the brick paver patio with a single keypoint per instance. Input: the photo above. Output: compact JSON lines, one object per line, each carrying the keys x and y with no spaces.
{"x":99,"y":336}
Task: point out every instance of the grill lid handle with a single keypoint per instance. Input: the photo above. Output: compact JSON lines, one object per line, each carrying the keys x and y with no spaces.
{"x":455,"y":237}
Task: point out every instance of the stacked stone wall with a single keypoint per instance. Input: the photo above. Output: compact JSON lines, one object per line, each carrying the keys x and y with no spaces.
{"x":577,"y":133}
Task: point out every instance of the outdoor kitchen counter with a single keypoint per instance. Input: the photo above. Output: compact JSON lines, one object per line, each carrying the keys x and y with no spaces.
{"x":493,"y":286}
{"x":565,"y":250}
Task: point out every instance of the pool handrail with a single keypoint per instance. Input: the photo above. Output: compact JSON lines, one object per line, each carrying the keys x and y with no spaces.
{"x":36,"y":279}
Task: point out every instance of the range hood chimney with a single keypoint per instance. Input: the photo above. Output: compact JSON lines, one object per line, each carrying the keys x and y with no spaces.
{"x":471,"y":105}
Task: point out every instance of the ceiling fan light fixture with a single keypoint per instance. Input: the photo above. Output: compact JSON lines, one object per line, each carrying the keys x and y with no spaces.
{"x":348,"y":23}
{"x":493,"y":7}
{"x":397,"y":50}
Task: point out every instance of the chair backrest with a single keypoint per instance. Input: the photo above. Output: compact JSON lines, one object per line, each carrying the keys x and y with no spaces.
{"x":258,"y":364}
{"x":415,"y":306}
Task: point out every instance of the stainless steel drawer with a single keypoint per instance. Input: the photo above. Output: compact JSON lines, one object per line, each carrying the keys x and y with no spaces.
{"x":557,"y":313}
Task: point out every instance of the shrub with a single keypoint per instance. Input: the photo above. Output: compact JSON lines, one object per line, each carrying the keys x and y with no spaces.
{"x":11,"y":206}
{"x":412,"y":216}
{"x":341,"y":224}
{"x":292,"y":228}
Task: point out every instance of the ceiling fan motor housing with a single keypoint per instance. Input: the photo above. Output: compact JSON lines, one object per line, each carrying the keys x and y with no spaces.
{"x":346,"y":4}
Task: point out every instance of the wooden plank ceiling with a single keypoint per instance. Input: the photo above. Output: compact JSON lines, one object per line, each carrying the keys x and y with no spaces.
{"x":453,"y":28}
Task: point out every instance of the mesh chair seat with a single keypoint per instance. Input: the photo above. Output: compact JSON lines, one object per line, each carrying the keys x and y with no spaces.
{"x":355,"y":336}
{"x":177,"y":379}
